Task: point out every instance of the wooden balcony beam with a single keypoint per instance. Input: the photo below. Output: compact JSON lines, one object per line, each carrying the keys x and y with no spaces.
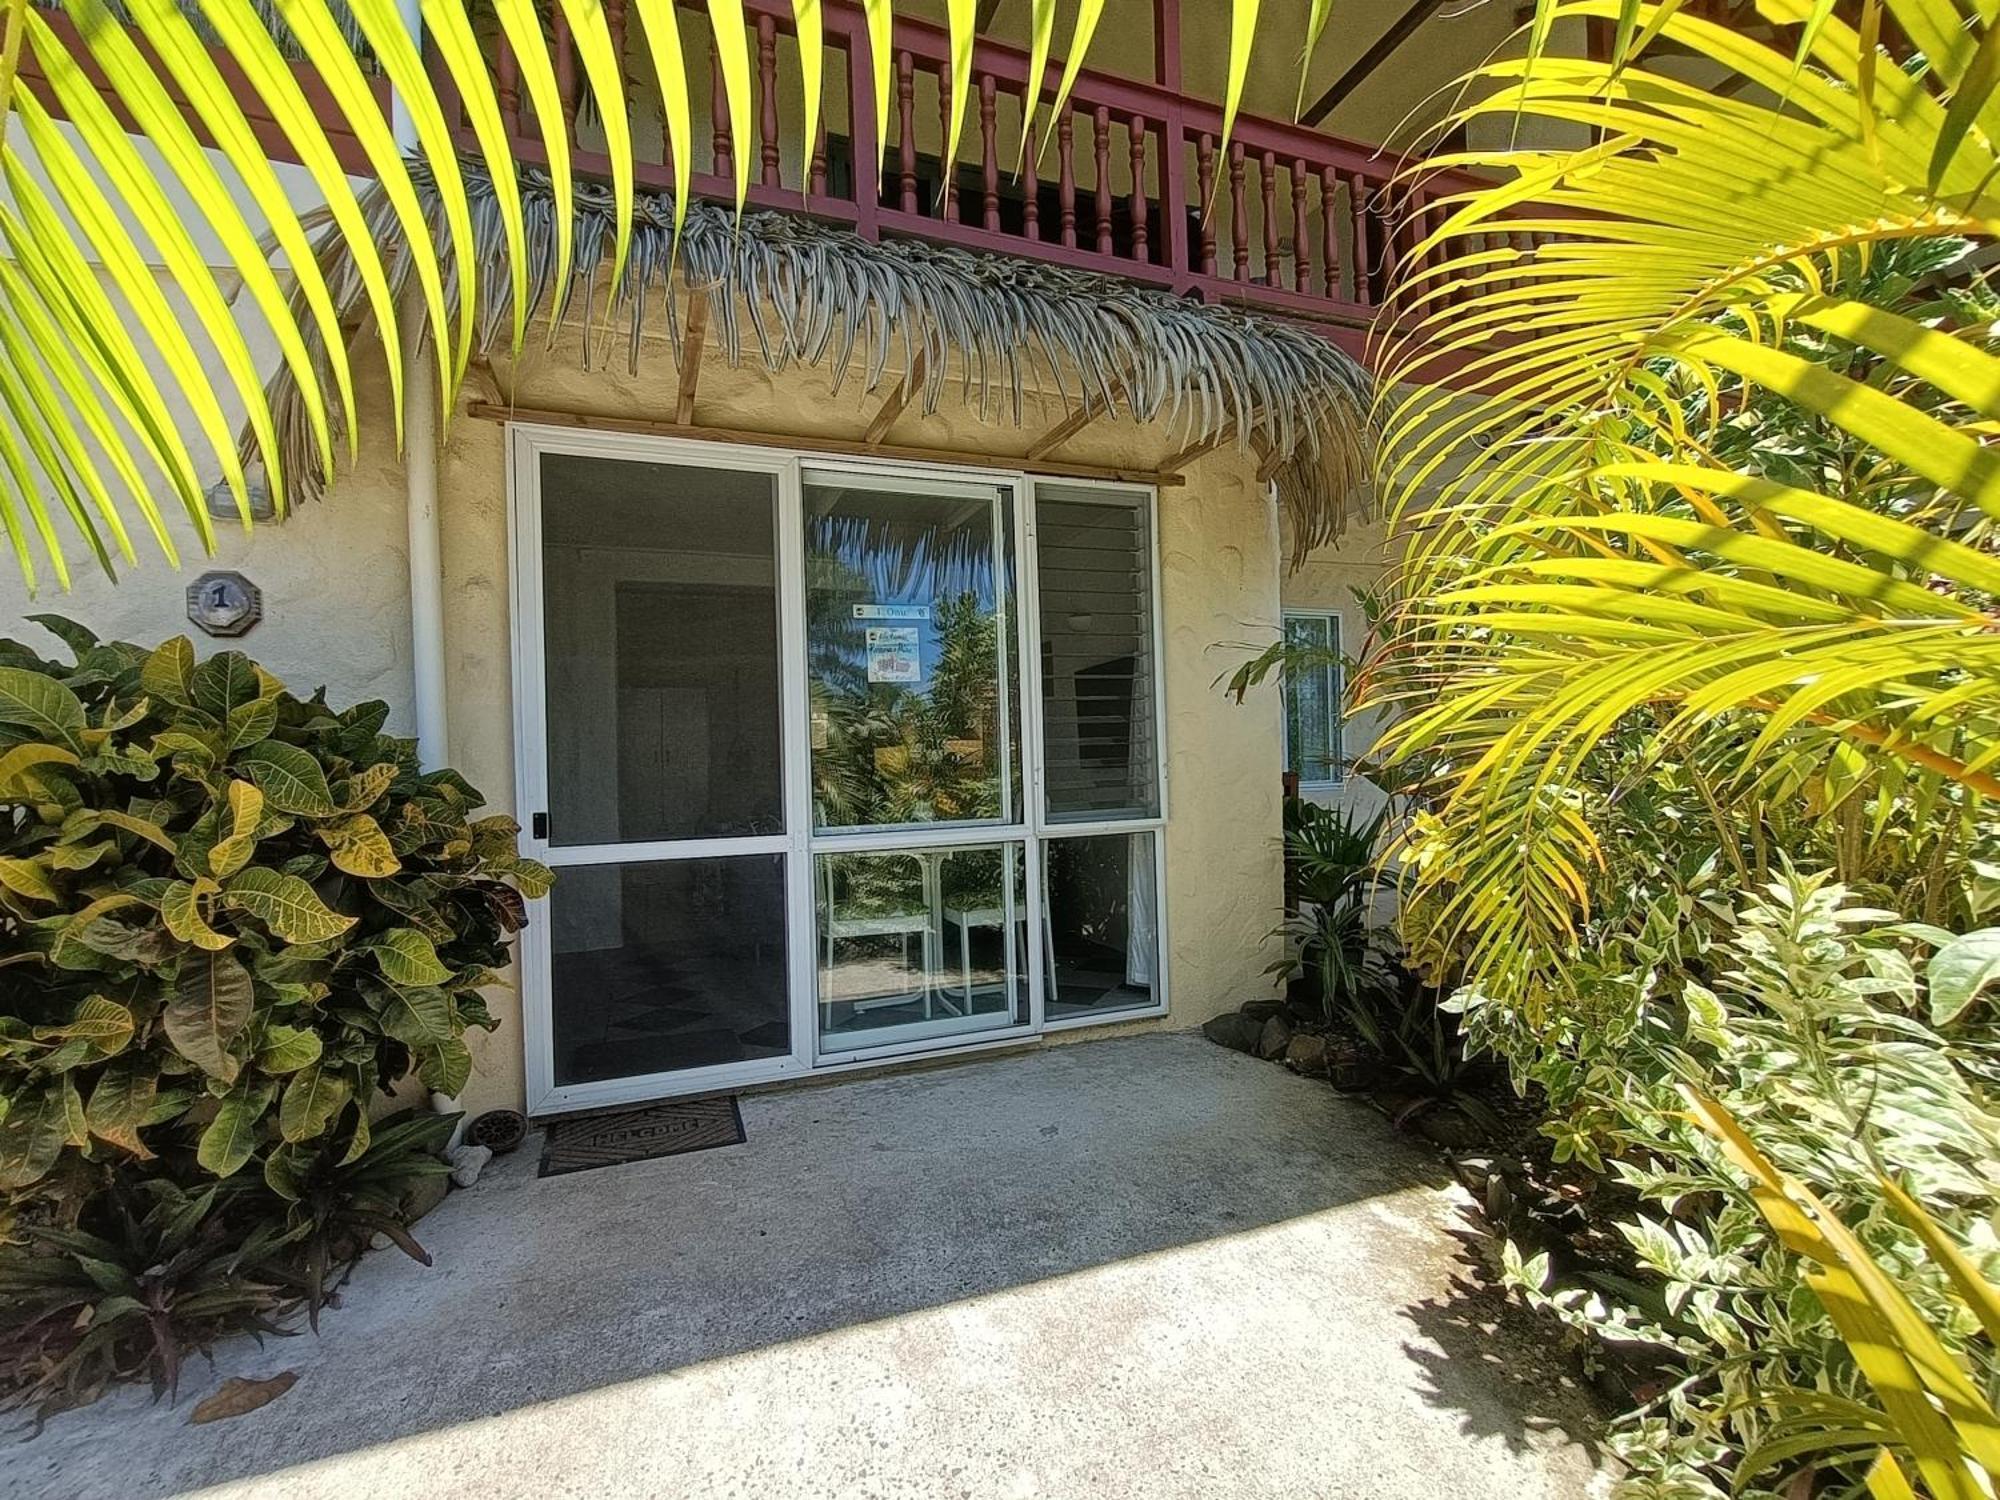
{"x":893,"y":406}
{"x":1085,"y":414}
{"x":597,"y":422}
{"x":1413,"y":16}
{"x":691,"y":342}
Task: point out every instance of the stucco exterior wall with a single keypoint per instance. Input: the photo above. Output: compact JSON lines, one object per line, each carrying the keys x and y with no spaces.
{"x":335,"y":586}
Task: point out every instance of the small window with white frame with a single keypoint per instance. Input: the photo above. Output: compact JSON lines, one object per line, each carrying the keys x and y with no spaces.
{"x":1313,"y":692}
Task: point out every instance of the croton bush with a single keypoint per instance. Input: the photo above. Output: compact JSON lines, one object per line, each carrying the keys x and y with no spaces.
{"x":231,"y":919}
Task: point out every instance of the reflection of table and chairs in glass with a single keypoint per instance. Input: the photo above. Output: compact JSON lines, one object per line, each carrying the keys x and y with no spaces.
{"x":919,"y":943}
{"x":959,"y":912}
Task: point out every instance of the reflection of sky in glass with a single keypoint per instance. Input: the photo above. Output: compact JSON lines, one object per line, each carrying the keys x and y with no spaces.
{"x":870,"y":554}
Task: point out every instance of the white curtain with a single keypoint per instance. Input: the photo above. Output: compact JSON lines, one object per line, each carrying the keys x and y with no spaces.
{"x":1142,"y":921}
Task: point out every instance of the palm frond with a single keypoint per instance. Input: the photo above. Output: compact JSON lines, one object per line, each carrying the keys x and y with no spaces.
{"x":804,"y":293}
{"x":472,"y":243}
{"x":1593,"y":537}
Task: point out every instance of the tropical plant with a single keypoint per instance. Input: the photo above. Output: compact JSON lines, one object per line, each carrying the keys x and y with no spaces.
{"x":1334,"y":937}
{"x":1843,"y":1039}
{"x":155,"y":1271}
{"x":340,"y":1193}
{"x":229,"y":917}
{"x":1600,"y":545}
{"x":1928,"y":1413}
{"x":1331,"y":882}
{"x":92,"y":393}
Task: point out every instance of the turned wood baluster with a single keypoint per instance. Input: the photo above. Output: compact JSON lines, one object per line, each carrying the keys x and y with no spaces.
{"x":1066,"y":178}
{"x":817,"y":180}
{"x":947,"y":149}
{"x":1100,"y":124}
{"x":614,"y":22}
{"x":1361,"y":254}
{"x":1267,"y":175}
{"x":906,"y":140}
{"x":1329,"y":230}
{"x":1301,"y":230}
{"x":1239,"y":215}
{"x":1204,"y":169}
{"x":767,"y":96}
{"x":1031,"y":190}
{"x":1136,"y":127}
{"x":1443,"y":250}
{"x":718,"y":115}
{"x":559,"y":41}
{"x":507,"y":84}
{"x":989,"y":158}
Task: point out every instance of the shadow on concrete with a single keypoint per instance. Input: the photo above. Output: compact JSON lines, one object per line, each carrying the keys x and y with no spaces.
{"x":847,"y":1205}
{"x":1505,"y":1371}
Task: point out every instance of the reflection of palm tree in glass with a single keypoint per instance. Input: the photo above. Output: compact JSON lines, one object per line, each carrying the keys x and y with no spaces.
{"x":924,"y":570}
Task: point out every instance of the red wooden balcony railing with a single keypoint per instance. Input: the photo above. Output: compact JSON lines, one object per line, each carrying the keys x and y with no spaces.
{"x":1131,"y":178}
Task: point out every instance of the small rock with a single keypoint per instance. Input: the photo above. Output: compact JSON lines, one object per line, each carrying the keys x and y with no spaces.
{"x":1446,"y":1125}
{"x":1305,"y":1012}
{"x":1274,"y":1039}
{"x":1235,"y":1030}
{"x":1306,"y":1053}
{"x":1262,"y":1010}
{"x":467,"y":1162}
{"x":1350,"y":1069}
{"x":423,"y":1195}
{"x":1473,"y":1171}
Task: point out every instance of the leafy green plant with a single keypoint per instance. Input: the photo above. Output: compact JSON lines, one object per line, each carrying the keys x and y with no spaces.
{"x":1724,"y":483}
{"x":153,"y":1272}
{"x":1845,"y":1039}
{"x":335,"y":1200}
{"x":1332,"y":879}
{"x":1928,"y":1414}
{"x":229,"y":917}
{"x":1332,"y":874}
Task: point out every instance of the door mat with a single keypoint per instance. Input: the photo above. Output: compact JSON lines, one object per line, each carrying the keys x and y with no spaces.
{"x":608,"y":1138}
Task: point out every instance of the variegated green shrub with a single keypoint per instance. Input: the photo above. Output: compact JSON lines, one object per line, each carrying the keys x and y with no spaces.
{"x":229,"y":917}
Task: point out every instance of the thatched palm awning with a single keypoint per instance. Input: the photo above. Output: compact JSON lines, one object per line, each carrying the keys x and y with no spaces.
{"x":817,"y":295}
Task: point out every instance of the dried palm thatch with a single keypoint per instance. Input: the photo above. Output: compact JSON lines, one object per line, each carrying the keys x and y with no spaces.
{"x":817,"y":295}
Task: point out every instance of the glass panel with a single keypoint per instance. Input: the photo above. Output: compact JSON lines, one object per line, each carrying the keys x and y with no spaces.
{"x":909,"y":621}
{"x":1094,"y":562}
{"x":920,"y":943}
{"x":1312,"y":703}
{"x":668,"y":965}
{"x":1102,"y":933}
{"x":661,"y":603}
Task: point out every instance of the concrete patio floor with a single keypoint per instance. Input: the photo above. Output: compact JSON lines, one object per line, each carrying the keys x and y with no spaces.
{"x":1144,"y":1267}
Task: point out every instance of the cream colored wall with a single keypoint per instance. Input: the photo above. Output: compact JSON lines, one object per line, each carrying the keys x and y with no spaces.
{"x":336,"y":599}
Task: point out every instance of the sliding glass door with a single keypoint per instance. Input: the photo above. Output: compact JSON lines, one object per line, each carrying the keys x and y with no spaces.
{"x":920,"y":876}
{"x":651,"y":674}
{"x":833,"y":762}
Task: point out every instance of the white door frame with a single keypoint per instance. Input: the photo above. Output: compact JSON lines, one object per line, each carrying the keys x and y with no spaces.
{"x":527,"y":442}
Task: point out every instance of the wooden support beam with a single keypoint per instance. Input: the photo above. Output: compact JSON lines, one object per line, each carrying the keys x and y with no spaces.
{"x":1417,"y":12}
{"x":1199,"y":449}
{"x":1269,"y":459}
{"x":691,"y":341}
{"x":1075,"y":422}
{"x":649,"y":427}
{"x":894,"y":405}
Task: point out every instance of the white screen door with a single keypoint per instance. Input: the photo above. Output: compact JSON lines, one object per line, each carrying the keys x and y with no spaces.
{"x":654,"y":752}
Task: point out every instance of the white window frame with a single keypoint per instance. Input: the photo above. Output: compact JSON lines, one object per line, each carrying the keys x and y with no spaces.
{"x":1048,"y":831}
{"x":1336,"y":701}
{"x":801,"y":844}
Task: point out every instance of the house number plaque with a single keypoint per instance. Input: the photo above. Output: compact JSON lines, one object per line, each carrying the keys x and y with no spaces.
{"x":224,"y":603}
